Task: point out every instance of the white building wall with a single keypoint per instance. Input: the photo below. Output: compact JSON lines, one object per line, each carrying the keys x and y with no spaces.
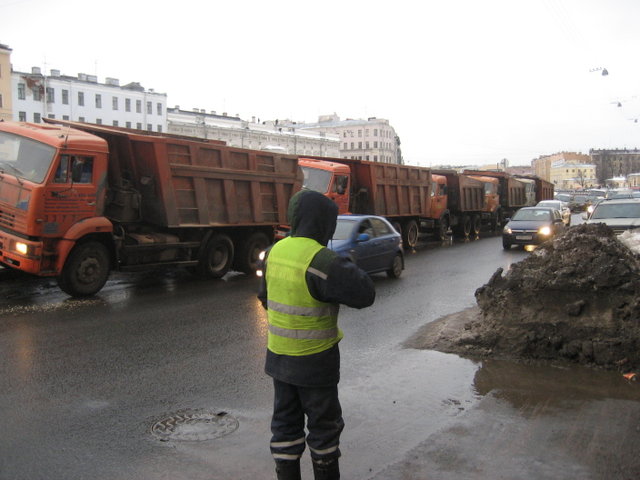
{"x":84,"y":99}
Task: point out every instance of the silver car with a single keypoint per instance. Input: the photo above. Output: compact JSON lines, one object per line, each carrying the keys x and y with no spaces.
{"x":562,"y":207}
{"x":620,"y":215}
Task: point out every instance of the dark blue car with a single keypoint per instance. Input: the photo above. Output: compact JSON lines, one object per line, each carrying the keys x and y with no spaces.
{"x":370,"y":242}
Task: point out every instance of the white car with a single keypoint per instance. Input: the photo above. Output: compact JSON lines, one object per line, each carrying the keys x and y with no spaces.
{"x":620,"y":215}
{"x":562,"y":207}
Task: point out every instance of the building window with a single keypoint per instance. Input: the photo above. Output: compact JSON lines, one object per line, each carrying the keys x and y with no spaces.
{"x":149,"y":108}
{"x":65,"y":97}
{"x":114,"y":103}
{"x":81,"y":119}
{"x":359,"y":133}
{"x":81,"y":100}
{"x":37,"y":94}
{"x":51,"y":115}
{"x":345,"y":146}
{"x":375,"y":144}
{"x":36,"y":117}
{"x":98,"y":100}
{"x":160,"y":130}
{"x":115,"y":123}
{"x":345,"y":135}
{"x":159,"y":108}
{"x":351,"y":145}
{"x":128,"y":124}
{"x":22,"y":92}
{"x":375,"y":158}
{"x":22,"y":116}
{"x":138,"y":106}
{"x":359,"y":145}
{"x":139,"y":126}
{"x":1,"y":100}
{"x":366,"y":145}
{"x":65,"y":117}
{"x":98,"y":121}
{"x":149,"y":127}
{"x":127,"y":104}
{"x":50,"y":95}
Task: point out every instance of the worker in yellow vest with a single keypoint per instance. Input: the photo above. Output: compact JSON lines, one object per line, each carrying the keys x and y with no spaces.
{"x":303,"y":284}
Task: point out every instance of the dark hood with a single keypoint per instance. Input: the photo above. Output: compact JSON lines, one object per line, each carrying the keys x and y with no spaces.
{"x":312,"y":215}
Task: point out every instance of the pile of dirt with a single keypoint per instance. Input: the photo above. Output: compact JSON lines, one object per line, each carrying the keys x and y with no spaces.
{"x":576,"y":298}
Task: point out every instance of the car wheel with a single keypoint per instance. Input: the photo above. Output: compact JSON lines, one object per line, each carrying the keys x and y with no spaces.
{"x":396,"y":267}
{"x":506,"y":245}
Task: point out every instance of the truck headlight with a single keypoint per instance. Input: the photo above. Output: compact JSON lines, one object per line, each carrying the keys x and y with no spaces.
{"x":545,"y":231}
{"x":22,"y":248}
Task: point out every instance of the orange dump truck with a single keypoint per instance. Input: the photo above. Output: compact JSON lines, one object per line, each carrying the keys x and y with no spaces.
{"x":80,"y":200}
{"x":401,"y":193}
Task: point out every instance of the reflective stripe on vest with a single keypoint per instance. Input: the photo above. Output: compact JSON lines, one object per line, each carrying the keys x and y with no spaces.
{"x":298,"y":323}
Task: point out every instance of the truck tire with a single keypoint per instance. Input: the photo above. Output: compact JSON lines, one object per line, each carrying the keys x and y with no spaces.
{"x":215,"y":260}
{"x":410,"y":234}
{"x":476,"y":223}
{"x":86,"y":270}
{"x":247,"y":257}
{"x":396,"y":267}
{"x":464,"y":229}
{"x":443,"y":229}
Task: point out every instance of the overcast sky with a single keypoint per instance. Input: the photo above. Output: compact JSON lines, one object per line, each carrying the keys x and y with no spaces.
{"x":461,"y":81}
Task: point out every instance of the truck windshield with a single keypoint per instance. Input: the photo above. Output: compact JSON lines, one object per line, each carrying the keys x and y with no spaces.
{"x":24,"y":158}
{"x":316,"y":179}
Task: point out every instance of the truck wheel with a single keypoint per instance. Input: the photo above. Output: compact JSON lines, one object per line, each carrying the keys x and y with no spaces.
{"x":443,"y":228}
{"x":247,"y":258}
{"x":410,"y":234}
{"x":86,"y":270}
{"x":216,"y":259}
{"x":476,"y":222}
{"x":396,"y":267}
{"x":466,"y":225}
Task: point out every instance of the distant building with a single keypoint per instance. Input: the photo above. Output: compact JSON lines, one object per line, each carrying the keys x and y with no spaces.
{"x":615,"y":163}
{"x":236,"y":132}
{"x":633,"y":180}
{"x":5,"y":83}
{"x":541,"y":166}
{"x":84,"y":99}
{"x":372,"y":139}
{"x":573,"y":176}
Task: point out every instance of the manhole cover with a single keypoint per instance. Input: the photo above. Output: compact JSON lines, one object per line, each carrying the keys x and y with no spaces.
{"x":194,"y":426}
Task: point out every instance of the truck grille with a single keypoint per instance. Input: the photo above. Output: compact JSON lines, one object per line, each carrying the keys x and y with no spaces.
{"x":11,"y":220}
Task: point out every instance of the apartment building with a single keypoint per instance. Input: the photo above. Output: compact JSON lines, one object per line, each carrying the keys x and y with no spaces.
{"x":613,"y":164}
{"x":268,"y":135}
{"x":541,"y":166}
{"x":5,"y":83}
{"x":84,"y":99}
{"x":373,"y":139}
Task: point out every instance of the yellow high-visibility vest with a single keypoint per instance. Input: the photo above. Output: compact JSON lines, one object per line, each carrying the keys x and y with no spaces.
{"x":298,"y":323}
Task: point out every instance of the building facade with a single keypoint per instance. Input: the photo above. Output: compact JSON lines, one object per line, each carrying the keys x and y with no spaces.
{"x":254,"y":135}
{"x":84,"y":99}
{"x":573,"y":176}
{"x":541,"y":166}
{"x":372,"y":139}
{"x":615,"y":163}
{"x":5,"y":83}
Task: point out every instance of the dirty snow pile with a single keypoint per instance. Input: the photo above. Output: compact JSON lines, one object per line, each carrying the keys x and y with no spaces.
{"x":576,"y":298}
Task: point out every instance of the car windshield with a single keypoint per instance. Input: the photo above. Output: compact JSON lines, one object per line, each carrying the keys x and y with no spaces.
{"x":532,"y":214}
{"x":316,"y":179}
{"x":344,"y":229}
{"x":563,"y":197}
{"x":24,"y":158}
{"x":616,"y":210}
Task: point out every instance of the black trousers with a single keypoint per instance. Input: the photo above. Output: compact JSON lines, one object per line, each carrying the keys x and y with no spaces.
{"x":324,"y":421}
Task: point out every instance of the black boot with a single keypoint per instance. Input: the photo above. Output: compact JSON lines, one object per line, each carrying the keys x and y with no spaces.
{"x":288,"y":469}
{"x":326,"y":469}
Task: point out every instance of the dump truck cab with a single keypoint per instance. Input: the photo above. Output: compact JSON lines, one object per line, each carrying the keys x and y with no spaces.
{"x":332,"y":179}
{"x":52,"y":190}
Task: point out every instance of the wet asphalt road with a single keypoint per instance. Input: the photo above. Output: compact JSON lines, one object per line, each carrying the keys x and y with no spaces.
{"x":83,"y":382}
